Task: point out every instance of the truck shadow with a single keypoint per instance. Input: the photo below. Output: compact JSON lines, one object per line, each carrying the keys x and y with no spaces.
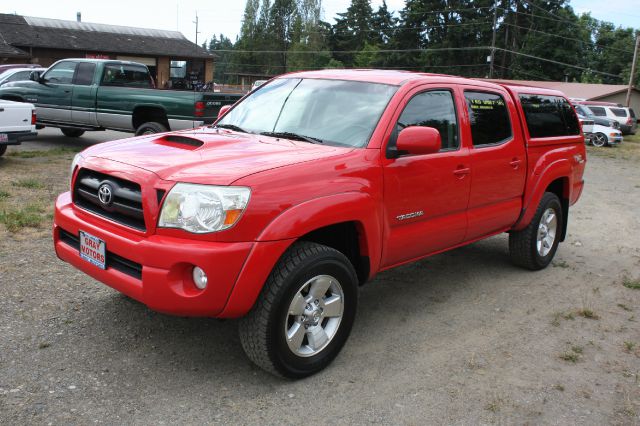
{"x":210,"y":349}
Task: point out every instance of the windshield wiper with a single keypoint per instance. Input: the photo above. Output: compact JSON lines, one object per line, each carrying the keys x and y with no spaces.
{"x":232,"y":127}
{"x":291,"y":135}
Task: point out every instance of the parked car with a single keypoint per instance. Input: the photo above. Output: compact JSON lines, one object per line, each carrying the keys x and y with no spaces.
{"x":257,"y":84}
{"x":301,"y":193}
{"x":17,"y":74}
{"x":625,"y":117}
{"x":6,"y":67}
{"x":605,"y":136}
{"x":77,"y":95}
{"x":17,"y":122}
{"x":585,"y":112}
{"x":587,"y":128}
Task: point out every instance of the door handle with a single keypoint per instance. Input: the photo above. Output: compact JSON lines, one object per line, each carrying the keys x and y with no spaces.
{"x":515,"y":163}
{"x":461,"y":171}
{"x":67,"y":91}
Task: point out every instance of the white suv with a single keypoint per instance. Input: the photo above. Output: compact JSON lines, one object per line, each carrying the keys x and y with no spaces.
{"x":625,"y":116}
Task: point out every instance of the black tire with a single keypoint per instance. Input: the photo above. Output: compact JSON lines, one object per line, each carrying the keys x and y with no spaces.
{"x":262,"y":331}
{"x":150,"y":128}
{"x":3,"y":149}
{"x":71,"y":132}
{"x":523,"y":247}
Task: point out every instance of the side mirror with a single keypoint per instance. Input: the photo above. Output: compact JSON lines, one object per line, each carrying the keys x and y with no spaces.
{"x":419,"y":140}
{"x":35,"y":76}
{"x":223,"y":110}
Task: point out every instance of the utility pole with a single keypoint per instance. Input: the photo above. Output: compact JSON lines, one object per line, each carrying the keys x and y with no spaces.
{"x":633,"y":70}
{"x":196,"y":22}
{"x":493,"y":39}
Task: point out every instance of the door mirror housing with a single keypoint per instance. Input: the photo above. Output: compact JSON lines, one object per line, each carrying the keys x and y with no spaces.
{"x":34,"y":76}
{"x":223,"y":110}
{"x":418,"y":140}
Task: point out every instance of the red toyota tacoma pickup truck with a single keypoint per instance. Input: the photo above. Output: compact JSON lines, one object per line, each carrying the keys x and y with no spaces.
{"x":311,"y":185}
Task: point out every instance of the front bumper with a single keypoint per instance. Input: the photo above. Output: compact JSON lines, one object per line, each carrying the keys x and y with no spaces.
{"x":157,"y":269}
{"x":615,"y":140}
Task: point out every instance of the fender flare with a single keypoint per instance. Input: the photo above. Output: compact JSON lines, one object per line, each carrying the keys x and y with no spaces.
{"x":292,"y":224}
{"x":558,"y":169}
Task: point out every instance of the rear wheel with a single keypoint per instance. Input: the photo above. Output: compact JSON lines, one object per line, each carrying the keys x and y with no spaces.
{"x":150,"y":128}
{"x":304,"y":314}
{"x":71,"y":132}
{"x":534,"y":246}
{"x":599,"y":139}
{"x":3,"y":149}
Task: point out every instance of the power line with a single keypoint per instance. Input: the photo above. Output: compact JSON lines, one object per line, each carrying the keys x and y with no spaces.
{"x":568,"y":38}
{"x":382,"y":68}
{"x":558,"y":62}
{"x":525,"y":73}
{"x":315,"y":52}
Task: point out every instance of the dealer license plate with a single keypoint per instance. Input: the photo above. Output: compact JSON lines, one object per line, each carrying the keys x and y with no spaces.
{"x":93,"y":250}
{"x":4,"y":137}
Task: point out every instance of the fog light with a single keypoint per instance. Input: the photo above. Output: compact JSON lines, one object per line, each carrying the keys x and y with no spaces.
{"x":199,"y":278}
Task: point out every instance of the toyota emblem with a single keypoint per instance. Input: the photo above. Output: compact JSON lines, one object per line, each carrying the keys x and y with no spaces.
{"x":105,"y":194}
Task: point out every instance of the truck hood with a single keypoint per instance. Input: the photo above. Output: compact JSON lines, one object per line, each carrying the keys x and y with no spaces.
{"x":209,"y":156}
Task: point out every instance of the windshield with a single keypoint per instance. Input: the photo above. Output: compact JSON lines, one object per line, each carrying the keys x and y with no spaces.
{"x":323,"y":111}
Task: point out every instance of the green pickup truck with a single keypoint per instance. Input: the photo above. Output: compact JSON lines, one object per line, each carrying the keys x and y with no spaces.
{"x":78,"y":95}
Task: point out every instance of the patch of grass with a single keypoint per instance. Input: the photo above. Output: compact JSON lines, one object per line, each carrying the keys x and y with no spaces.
{"x":560,"y":264}
{"x":587,"y":313}
{"x":29,"y":183}
{"x":30,"y":216}
{"x":631,"y":283}
{"x":569,"y":357}
{"x":569,"y":315}
{"x":625,"y":307}
{"x":493,"y":406}
{"x":44,"y":345}
{"x":629,"y":346}
{"x":559,"y":387}
{"x":4,"y":195}
{"x":572,"y":355}
{"x":44,"y":153}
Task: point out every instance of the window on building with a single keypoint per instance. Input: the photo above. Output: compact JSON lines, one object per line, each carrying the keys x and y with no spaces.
{"x":84,"y":74}
{"x":61,"y":73}
{"x":433,"y":109}
{"x":549,"y":116}
{"x":489,"y":118}
{"x":126,"y":75}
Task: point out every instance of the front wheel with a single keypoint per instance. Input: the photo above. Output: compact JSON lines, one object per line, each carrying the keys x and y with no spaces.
{"x":534,"y":246}
{"x":599,"y":140}
{"x":304,"y":314}
{"x":71,"y":132}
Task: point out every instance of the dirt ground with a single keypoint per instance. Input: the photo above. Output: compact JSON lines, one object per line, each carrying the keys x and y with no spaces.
{"x":459,"y":338}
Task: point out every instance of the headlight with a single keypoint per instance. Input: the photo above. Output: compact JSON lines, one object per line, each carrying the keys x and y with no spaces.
{"x":203,"y":208}
{"x":74,"y":164}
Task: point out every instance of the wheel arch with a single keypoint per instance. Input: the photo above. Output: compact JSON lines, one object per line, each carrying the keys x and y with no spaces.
{"x":348,"y":222}
{"x":145,"y":113}
{"x":555,"y":178}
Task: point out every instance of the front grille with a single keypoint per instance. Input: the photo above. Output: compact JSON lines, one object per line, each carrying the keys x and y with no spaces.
{"x":124,"y":206}
{"x":114,"y":261}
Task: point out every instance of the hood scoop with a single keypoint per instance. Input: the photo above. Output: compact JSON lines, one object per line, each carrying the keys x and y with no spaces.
{"x":179,"y":141}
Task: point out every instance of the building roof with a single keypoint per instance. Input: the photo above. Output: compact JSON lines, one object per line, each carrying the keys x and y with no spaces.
{"x":25,"y":31}
{"x":588,"y":91}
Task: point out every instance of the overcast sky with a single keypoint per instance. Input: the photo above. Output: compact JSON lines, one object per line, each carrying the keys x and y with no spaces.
{"x":224,"y":16}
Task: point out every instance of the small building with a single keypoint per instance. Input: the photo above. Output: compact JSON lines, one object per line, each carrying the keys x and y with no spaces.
{"x":616,"y":93}
{"x":173,"y":60}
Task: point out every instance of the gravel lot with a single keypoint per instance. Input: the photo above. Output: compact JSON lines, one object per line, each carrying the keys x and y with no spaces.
{"x":459,"y":338}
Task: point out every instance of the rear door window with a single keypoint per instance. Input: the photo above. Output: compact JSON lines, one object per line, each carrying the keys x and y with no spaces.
{"x":549,"y":116}
{"x":489,"y":117}
{"x":598,"y":111}
{"x":126,"y":75}
{"x":619,"y":112}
